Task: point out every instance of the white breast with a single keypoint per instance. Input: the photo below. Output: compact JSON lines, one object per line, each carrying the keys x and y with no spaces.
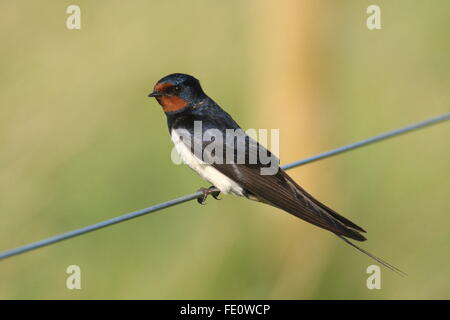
{"x":205,"y":170}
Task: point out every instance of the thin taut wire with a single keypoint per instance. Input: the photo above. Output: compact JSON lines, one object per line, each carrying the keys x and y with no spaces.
{"x":192,"y":196}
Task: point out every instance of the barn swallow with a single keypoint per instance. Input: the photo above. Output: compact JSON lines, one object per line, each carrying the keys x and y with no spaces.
{"x":185,"y":103}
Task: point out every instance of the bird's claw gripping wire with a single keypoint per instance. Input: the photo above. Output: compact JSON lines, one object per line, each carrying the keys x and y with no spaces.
{"x":206,"y":192}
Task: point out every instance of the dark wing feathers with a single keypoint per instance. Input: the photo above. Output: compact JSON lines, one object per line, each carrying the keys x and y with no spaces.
{"x":305,"y":196}
{"x":281,"y":191}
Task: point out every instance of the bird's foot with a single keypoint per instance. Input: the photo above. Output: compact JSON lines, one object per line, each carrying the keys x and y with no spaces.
{"x":206,"y":192}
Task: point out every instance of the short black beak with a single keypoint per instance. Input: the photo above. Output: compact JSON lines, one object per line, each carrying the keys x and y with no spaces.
{"x":155,"y":94}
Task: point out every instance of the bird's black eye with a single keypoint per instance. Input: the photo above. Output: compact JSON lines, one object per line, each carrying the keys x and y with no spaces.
{"x":173,"y":90}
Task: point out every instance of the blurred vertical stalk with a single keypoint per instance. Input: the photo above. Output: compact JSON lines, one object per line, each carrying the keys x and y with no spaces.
{"x":286,"y":70}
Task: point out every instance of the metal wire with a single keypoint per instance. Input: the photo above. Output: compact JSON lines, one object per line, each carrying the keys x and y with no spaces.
{"x":192,"y":196}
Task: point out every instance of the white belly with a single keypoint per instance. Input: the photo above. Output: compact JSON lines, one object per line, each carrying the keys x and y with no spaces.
{"x":205,"y":170}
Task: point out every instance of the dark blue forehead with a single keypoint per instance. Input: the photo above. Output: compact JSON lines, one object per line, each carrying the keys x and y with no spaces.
{"x":180,"y":78}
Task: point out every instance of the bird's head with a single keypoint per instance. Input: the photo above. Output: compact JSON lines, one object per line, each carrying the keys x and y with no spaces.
{"x":177,"y":92}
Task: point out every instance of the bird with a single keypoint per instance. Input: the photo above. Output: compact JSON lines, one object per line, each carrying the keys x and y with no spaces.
{"x":187,"y":108}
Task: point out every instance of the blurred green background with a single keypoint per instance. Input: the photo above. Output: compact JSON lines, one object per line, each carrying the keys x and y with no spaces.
{"x":80,"y":142}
